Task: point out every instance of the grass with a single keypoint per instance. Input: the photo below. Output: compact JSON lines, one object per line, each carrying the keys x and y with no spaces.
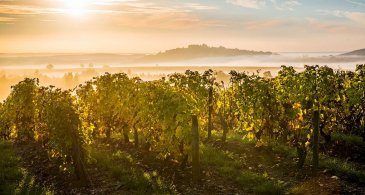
{"x":14,"y":179}
{"x":236,"y":137}
{"x":347,"y":138}
{"x":350,"y":171}
{"x":10,"y":171}
{"x":342,"y":167}
{"x":269,"y":188}
{"x":336,"y":165}
{"x":123,"y":168}
{"x":289,"y":152}
{"x":232,"y":168}
{"x":233,"y":137}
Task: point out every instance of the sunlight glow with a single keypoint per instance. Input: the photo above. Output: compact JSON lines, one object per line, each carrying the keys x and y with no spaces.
{"x":74,"y":7}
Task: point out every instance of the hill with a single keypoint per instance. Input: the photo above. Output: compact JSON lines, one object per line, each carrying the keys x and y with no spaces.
{"x":360,"y":52}
{"x":19,"y":59}
{"x":198,"y":51}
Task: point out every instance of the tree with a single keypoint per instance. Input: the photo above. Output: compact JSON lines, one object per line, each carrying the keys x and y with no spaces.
{"x":50,"y":67}
{"x":64,"y":129}
{"x":5,"y":123}
{"x":21,"y":105}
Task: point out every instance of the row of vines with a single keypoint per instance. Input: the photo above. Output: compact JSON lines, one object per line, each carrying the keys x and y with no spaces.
{"x":157,"y":114}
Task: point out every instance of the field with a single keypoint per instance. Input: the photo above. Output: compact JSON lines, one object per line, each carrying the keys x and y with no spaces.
{"x":193,"y":132}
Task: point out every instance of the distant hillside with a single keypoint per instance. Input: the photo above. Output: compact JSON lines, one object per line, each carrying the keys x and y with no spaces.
{"x":360,"y":52}
{"x":198,"y":51}
{"x":67,"y":58}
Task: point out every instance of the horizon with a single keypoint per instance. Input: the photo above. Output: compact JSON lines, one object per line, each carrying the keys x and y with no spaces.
{"x":139,"y":26}
{"x":157,"y":51}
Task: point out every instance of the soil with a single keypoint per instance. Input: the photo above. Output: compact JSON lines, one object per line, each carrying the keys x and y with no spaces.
{"x":257,"y":159}
{"x":277,"y":166}
{"x":47,"y":173}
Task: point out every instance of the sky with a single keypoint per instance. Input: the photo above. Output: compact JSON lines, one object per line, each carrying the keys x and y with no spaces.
{"x":141,"y":26}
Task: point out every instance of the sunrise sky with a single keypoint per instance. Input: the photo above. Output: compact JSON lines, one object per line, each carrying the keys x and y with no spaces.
{"x":139,"y":26}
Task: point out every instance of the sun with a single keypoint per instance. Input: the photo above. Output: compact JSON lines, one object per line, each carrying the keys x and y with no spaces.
{"x":75,"y":11}
{"x":74,"y":7}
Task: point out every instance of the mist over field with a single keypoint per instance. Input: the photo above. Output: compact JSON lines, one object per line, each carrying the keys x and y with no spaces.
{"x":67,"y":70}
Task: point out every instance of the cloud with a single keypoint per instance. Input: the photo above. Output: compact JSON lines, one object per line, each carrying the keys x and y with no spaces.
{"x":21,"y":7}
{"x":111,"y":2}
{"x":253,"y":4}
{"x":198,"y":6}
{"x":7,"y":19}
{"x":265,"y":24}
{"x":285,"y":5}
{"x":357,"y":17}
{"x":15,"y":10}
{"x":31,"y":10}
{"x":327,"y":26}
{"x":309,"y":25}
{"x":258,"y":4}
{"x":167,"y":20}
{"x":127,"y":13}
{"x":356,"y":2}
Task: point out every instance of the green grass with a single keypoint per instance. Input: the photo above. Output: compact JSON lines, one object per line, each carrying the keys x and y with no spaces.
{"x":233,"y":137}
{"x":236,"y":137}
{"x":232,"y":168}
{"x":123,"y":168}
{"x":336,"y":165}
{"x":10,"y":171}
{"x":342,"y":167}
{"x":13,"y":178}
{"x":269,"y":188}
{"x":347,"y":138}
{"x":289,"y":152}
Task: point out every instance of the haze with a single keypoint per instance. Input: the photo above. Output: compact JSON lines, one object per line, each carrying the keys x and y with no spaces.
{"x":139,"y":26}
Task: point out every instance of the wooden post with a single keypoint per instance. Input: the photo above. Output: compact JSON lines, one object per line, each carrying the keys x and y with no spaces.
{"x":315,"y":140}
{"x":135,"y":136}
{"x":126,"y":134}
{"x":224,"y":127}
{"x":195,"y":149}
{"x":108,"y":132}
{"x":210,"y":110}
{"x":223,"y":117}
{"x":77,"y":157}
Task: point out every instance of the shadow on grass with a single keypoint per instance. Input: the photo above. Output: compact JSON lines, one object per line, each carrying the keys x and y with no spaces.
{"x":232,"y":168}
{"x":124,"y":168}
{"x":14,"y":179}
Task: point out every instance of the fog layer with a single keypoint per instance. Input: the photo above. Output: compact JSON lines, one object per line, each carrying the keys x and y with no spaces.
{"x":68,"y":70}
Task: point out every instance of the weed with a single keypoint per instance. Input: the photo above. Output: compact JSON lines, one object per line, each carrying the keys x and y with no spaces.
{"x":122,"y":167}
{"x":13,"y":178}
{"x":349,"y":139}
{"x":233,"y":168}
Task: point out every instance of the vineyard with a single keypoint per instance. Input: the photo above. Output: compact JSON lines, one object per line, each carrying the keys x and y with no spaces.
{"x":296,"y":133}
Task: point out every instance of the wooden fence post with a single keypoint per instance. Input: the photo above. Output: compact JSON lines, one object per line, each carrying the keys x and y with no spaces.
{"x":315,"y":140}
{"x":195,"y":149}
{"x":210,"y":110}
{"x":77,"y":157}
